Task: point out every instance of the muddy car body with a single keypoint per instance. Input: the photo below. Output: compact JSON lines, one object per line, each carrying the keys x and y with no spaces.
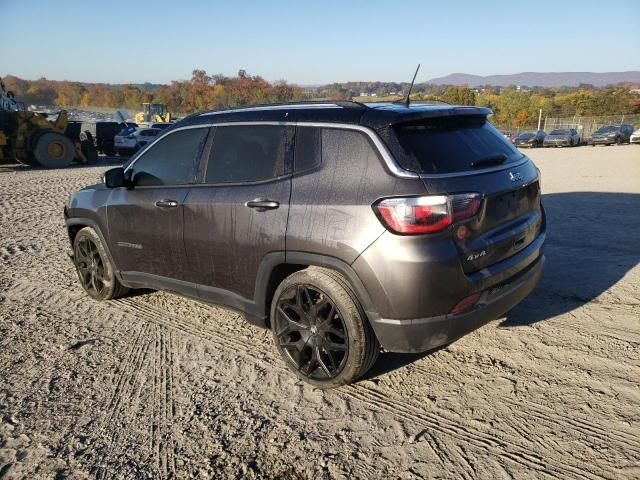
{"x":344,"y":227}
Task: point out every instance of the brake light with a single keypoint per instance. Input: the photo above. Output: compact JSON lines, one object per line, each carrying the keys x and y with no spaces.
{"x":427,"y":214}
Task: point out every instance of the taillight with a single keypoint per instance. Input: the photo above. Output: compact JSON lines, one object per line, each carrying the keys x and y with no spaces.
{"x":427,"y":214}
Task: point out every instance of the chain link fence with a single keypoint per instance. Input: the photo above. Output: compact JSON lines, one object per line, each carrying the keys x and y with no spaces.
{"x":587,"y":125}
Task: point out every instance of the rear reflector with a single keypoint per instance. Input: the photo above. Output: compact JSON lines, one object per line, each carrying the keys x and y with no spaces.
{"x":465,"y":303}
{"x":427,"y":214}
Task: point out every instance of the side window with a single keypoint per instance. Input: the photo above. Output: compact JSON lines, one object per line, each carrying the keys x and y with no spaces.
{"x":171,"y":161}
{"x":248,"y":153}
{"x":308,"y":148}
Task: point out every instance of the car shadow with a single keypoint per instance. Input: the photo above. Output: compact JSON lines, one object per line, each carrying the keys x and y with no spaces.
{"x":593,"y":240}
{"x":103,"y":161}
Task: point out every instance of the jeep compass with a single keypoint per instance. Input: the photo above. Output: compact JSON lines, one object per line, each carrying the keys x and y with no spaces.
{"x":345,"y":228}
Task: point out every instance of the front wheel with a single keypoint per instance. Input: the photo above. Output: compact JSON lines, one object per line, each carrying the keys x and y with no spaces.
{"x":320,"y":328}
{"x":95,"y":271}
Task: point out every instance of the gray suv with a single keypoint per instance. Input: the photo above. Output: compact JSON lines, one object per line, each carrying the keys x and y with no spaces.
{"x":343,"y":227}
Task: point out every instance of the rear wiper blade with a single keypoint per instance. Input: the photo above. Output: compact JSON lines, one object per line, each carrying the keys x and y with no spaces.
{"x":491,"y":160}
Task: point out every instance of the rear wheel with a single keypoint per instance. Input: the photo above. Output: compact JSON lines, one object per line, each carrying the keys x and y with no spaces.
{"x":619,"y":141}
{"x":53,"y":150}
{"x":95,"y":271}
{"x":320,"y":328}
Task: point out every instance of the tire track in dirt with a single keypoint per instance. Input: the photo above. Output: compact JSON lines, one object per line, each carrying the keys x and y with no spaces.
{"x":164,"y":407}
{"x":8,"y":251}
{"x":123,"y":395}
{"x":512,"y":450}
{"x":545,"y":415}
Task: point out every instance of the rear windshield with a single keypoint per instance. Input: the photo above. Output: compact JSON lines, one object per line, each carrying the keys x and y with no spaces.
{"x":452,"y":144}
{"x":561,"y":132}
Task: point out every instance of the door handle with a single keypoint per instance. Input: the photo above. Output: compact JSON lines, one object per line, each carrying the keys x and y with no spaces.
{"x":262,"y":204}
{"x":166,"y":203}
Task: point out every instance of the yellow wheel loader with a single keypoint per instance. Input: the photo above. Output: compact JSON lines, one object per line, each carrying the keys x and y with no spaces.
{"x":153,"y":112}
{"x":30,"y":138}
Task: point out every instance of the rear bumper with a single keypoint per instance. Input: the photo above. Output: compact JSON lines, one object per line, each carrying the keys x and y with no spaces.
{"x":422,"y":334}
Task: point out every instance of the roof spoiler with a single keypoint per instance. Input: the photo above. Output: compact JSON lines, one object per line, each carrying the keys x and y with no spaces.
{"x":384,"y":119}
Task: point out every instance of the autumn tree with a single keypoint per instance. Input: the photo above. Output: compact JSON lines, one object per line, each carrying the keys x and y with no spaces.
{"x":459,"y":96}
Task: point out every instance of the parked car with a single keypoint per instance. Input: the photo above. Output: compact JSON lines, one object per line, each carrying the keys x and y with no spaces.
{"x":610,"y":134}
{"x":635,"y":136}
{"x":128,"y":141}
{"x":562,"y":137}
{"x":342,"y":227}
{"x":530,"y":139}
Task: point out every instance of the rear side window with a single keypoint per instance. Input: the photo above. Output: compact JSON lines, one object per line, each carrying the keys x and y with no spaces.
{"x":308,"y":148}
{"x":451,"y":144}
{"x":172,"y":160}
{"x":247,"y":153}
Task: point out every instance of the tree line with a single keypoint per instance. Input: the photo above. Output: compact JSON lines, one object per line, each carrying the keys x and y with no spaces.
{"x":512,"y":106}
{"x":515,"y":108}
{"x":201,"y":92}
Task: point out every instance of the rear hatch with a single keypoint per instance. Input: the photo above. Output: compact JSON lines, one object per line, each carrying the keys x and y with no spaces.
{"x":466,"y":154}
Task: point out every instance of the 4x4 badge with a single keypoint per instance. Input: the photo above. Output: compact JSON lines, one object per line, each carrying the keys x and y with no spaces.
{"x":515,"y":177}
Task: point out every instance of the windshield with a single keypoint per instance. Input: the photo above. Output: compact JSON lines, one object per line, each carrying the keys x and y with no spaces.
{"x":526,"y":135}
{"x":608,"y":129}
{"x":450,"y":144}
{"x":562,"y":131}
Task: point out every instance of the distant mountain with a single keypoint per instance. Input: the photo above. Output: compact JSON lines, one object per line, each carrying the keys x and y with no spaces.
{"x":536,"y":79}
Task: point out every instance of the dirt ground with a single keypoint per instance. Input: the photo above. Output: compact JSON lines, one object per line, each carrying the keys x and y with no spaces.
{"x":156,"y":386}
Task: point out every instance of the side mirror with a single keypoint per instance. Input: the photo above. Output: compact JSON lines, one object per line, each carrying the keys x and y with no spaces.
{"x":114,"y":178}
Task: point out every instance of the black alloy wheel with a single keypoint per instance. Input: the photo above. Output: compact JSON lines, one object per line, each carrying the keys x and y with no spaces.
{"x":320,"y":328}
{"x":311,"y":332}
{"x":95,"y":272}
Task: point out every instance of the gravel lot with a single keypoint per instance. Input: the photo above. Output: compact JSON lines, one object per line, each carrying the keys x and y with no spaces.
{"x":155,"y":386}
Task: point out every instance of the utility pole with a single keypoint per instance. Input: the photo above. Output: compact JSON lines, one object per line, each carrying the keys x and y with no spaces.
{"x":539,"y":119}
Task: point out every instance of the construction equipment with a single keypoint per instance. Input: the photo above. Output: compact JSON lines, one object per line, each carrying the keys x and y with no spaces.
{"x":153,"y":112}
{"x":30,"y":138}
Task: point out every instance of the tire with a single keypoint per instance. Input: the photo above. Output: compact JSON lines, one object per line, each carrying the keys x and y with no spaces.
{"x":95,"y":272}
{"x":320,"y":329}
{"x":89,"y":151}
{"x":618,"y":141}
{"x":108,"y":148}
{"x":53,"y":150}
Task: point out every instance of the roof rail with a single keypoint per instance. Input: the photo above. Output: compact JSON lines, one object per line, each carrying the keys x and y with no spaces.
{"x":283,"y":105}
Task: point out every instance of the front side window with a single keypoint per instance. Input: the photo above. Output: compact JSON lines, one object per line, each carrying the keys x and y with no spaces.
{"x":170,"y":161}
{"x":248,"y":153}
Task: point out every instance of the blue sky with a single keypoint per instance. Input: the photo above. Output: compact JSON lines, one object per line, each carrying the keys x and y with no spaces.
{"x":313,"y":42}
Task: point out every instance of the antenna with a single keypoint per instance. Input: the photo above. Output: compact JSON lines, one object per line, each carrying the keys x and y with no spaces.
{"x":406,"y":100}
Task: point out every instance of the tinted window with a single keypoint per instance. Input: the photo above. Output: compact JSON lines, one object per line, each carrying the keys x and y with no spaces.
{"x":308,"y":148}
{"x":247,"y":153}
{"x":149,"y":133}
{"x":451,"y":144}
{"x":560,"y":132}
{"x":171,"y":160}
{"x":526,"y":135}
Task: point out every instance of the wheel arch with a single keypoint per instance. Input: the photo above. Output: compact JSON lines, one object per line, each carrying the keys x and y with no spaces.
{"x":277,"y":266}
{"x":75,"y":224}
